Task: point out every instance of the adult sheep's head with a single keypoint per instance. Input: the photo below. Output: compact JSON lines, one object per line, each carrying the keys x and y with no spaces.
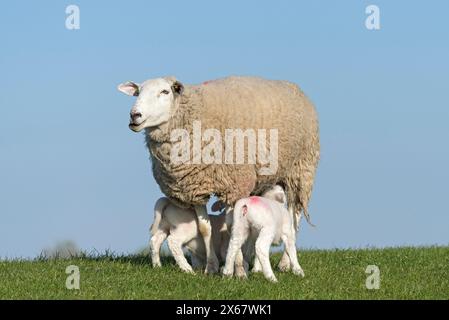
{"x":155,"y":100}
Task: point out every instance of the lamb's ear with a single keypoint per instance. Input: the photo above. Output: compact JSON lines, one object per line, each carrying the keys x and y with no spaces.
{"x":130,"y":88}
{"x":280,"y":197}
{"x":177,"y":87}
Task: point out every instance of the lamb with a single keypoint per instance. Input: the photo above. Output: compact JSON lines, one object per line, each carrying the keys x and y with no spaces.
{"x":179,"y":226}
{"x":263,"y":221}
{"x":165,"y":105}
{"x":275,"y":193}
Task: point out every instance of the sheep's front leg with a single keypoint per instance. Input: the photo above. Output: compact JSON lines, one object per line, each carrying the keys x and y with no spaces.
{"x":155,"y":246}
{"x":263,"y":244}
{"x":205,"y":229}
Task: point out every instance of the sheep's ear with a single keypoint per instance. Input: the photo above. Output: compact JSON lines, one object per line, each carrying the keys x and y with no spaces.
{"x":130,"y":88}
{"x":177,"y":87}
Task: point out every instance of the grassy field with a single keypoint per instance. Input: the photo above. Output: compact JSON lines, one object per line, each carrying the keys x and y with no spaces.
{"x":405,"y":273}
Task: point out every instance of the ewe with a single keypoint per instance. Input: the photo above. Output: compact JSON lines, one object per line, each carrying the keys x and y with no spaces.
{"x":165,"y":104}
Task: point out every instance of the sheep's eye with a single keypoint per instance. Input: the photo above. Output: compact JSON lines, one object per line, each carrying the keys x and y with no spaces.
{"x":165,"y":92}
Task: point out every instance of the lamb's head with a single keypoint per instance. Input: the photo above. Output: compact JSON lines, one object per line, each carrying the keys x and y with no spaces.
{"x":276,"y":193}
{"x":155,"y":100}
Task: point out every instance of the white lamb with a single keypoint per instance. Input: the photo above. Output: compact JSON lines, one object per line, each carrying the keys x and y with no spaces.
{"x":181,"y":229}
{"x":263,"y":221}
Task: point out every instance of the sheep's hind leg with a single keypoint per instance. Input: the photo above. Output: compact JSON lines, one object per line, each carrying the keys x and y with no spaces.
{"x":205,"y":229}
{"x":155,"y":246}
{"x":197,"y":263}
{"x":306,"y":168}
{"x":175,"y":246}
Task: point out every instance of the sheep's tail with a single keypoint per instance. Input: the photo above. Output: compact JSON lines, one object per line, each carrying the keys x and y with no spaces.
{"x":159,"y":208}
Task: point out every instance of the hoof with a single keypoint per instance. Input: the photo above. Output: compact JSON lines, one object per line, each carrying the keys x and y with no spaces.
{"x":299,"y":272}
{"x":284,"y":267}
{"x":188,"y":270}
{"x":241,"y":274}
{"x":211,"y":268}
{"x":256,"y":270}
{"x":227,"y":273}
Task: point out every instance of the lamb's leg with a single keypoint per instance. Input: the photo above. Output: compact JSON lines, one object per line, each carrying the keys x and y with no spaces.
{"x":240,"y":265}
{"x":257,"y":267}
{"x":240,"y":269}
{"x":239,"y":234}
{"x":250,"y":244}
{"x":205,"y":229}
{"x":284,"y":264}
{"x":175,"y":246}
{"x":155,"y":246}
{"x":290,"y":247}
{"x":263,"y":244}
{"x":235,"y":245}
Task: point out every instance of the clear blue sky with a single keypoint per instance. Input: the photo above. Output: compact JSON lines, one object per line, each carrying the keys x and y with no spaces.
{"x":71,"y":169}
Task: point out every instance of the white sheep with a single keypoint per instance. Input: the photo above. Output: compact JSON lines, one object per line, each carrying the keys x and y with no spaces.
{"x":262,"y":221}
{"x":164,"y":105}
{"x":181,"y":229}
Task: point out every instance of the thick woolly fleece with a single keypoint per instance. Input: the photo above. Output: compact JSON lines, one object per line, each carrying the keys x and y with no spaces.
{"x":244,"y":103}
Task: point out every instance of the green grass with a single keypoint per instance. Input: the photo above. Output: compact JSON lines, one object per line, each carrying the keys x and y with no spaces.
{"x":406,"y":273}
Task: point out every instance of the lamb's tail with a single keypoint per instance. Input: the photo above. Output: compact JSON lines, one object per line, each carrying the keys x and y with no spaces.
{"x":159,"y":208}
{"x":240,"y":208}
